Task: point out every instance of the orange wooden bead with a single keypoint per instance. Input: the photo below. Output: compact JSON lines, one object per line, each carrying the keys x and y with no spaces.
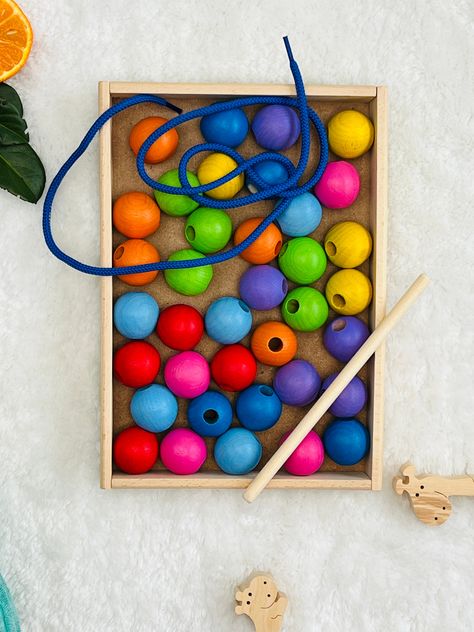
{"x":265,"y":248}
{"x":162,"y":149}
{"x":274,"y":343}
{"x":134,"y":252}
{"x":136,"y":214}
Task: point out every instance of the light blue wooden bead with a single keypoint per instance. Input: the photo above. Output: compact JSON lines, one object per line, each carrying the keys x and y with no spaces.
{"x":136,"y":315}
{"x":302,"y":216}
{"x":228,"y":320}
{"x":154,"y":408}
{"x":237,"y":451}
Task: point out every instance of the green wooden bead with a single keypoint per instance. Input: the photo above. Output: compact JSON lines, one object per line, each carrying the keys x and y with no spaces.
{"x":302,"y":260}
{"x":208,"y":229}
{"x":305,"y":309}
{"x":188,"y":281}
{"x":176,"y":204}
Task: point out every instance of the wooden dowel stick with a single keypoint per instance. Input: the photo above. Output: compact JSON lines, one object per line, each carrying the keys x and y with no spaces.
{"x":327,"y":398}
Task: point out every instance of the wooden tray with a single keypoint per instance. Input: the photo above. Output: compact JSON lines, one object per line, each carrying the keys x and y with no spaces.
{"x":118,"y":175}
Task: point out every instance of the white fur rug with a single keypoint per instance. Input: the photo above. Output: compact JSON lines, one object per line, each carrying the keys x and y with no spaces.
{"x":78,"y":559}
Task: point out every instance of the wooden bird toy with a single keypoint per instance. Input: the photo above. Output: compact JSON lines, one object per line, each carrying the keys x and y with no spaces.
{"x":261,"y":601}
{"x":429,"y":494}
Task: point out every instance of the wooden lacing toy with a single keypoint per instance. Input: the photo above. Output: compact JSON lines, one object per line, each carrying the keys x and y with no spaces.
{"x":429,"y":494}
{"x":261,"y":601}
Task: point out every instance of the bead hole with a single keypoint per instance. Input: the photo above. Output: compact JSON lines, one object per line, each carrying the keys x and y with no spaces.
{"x":211,"y":416}
{"x":266,"y":390}
{"x":275,"y":344}
{"x":331,"y":248}
{"x":338,"y":300}
{"x":293,"y":306}
{"x":190,"y":233}
{"x":243,"y":307}
{"x":119,"y":252}
{"x":338,"y":325}
{"x":278,"y":246}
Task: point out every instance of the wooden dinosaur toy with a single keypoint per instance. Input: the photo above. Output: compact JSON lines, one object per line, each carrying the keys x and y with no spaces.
{"x":260,"y":600}
{"x":429,"y":494}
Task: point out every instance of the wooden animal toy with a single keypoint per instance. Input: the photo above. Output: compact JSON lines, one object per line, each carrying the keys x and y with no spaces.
{"x":233,"y":368}
{"x":180,"y":327}
{"x":238,"y":451}
{"x":188,"y":281}
{"x":135,"y":252}
{"x":136,"y":214}
{"x":182,"y":451}
{"x":305,"y":309}
{"x":339,"y":185}
{"x":348,"y":244}
{"x":349,"y":292}
{"x":260,"y":599}
{"x":176,"y":205}
{"x":302,"y":216}
{"x":350,"y":134}
{"x":258,"y":407}
{"x":187,"y":374}
{"x":135,"y":450}
{"x":154,"y":408}
{"x":210,"y":414}
{"x":273,"y":343}
{"x":228,"y":320}
{"x":429,"y":494}
{"x":136,"y":363}
{"x":297,"y":383}
{"x":208,"y":229}
{"x":226,"y":128}
{"x":267,"y":245}
{"x":263,"y":287}
{"x":136,"y":314}
{"x":276,"y":127}
{"x":346,"y":441}
{"x":302,"y":260}
{"x":216,"y":166}
{"x":163,"y":148}
{"x":308,"y":456}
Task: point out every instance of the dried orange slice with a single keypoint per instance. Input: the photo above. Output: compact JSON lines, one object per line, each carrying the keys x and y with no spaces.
{"x":16,"y":38}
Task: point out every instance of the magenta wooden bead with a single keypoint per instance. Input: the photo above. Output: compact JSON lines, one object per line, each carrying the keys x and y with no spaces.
{"x":182,"y":451}
{"x":263,"y":287}
{"x":339,"y":185}
{"x":308,"y":456}
{"x":187,"y":374}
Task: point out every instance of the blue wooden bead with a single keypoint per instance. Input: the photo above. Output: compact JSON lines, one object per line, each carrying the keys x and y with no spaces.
{"x":258,"y":407}
{"x":302,"y":216}
{"x":237,"y":451}
{"x":346,"y":441}
{"x":227,"y":128}
{"x":210,"y":414}
{"x":228,"y":320}
{"x":136,"y":314}
{"x":154,"y":408}
{"x":271,"y":171}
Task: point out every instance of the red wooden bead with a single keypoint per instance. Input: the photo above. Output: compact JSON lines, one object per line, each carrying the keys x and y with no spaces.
{"x":233,"y":368}
{"x":180,"y":327}
{"x":135,"y":450}
{"x":136,"y":364}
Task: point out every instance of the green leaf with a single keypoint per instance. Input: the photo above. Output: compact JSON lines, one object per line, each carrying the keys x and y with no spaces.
{"x":21,"y":172}
{"x":10,"y":95}
{"x":12,"y":126}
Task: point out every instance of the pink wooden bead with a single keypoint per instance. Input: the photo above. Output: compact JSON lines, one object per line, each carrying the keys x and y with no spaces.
{"x":187,"y":374}
{"x":308,"y":456}
{"x":339,"y":185}
{"x":183,"y":451}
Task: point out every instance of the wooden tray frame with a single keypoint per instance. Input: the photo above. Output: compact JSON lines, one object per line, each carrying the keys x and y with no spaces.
{"x":371,"y":479}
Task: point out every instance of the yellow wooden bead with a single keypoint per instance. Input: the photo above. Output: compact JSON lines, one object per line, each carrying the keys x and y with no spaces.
{"x":350,"y":134}
{"x":214,"y":167}
{"x":348,"y":292}
{"x":348,"y":244}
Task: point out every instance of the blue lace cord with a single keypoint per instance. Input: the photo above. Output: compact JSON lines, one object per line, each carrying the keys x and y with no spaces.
{"x":285,"y":191}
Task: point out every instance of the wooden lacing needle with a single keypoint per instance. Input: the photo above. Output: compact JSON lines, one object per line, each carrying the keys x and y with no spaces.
{"x":262,"y":602}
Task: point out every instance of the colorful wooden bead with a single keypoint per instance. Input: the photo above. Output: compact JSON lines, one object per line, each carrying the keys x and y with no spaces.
{"x":188,"y":281}
{"x":162,"y":149}
{"x":135,"y":450}
{"x":348,"y":244}
{"x":297,"y":383}
{"x":136,"y":363}
{"x":273,"y":343}
{"x":302,"y":260}
{"x":228,"y":320}
{"x":352,"y":399}
{"x":348,"y":292}
{"x":180,"y":327}
{"x":134,"y":252}
{"x":301,"y":217}
{"x":267,"y":245}
{"x":226,"y":128}
{"x":176,"y":205}
{"x":136,"y":214}
{"x":263,"y":287}
{"x":183,"y":451}
{"x":216,"y":166}
{"x":154,"y":408}
{"x":258,"y":407}
{"x":344,"y":336}
{"x":308,"y":456}
{"x":237,"y":451}
{"x":346,"y":441}
{"x":210,"y":414}
{"x":208,"y":229}
{"x":305,"y":309}
{"x":187,"y":374}
{"x":276,"y":127}
{"x":270,"y":171}
{"x":350,"y":134}
{"x":233,"y":368}
{"x":136,"y":314}
{"x":339,"y":185}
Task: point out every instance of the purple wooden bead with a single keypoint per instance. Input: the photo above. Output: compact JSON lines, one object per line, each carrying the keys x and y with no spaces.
{"x":297,"y":383}
{"x":263,"y":287}
{"x":276,"y":127}
{"x":352,"y":399}
{"x":344,"y":336}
